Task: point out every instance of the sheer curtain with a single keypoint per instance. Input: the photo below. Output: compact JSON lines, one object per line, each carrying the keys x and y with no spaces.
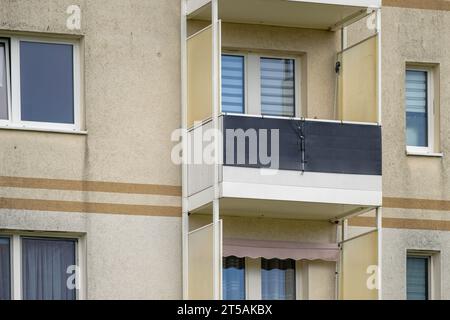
{"x":278,"y":279}
{"x":44,"y":268}
{"x":233,"y":278}
{"x":5,"y":269}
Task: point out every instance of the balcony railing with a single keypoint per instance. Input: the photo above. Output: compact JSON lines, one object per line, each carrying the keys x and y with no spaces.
{"x":302,"y":145}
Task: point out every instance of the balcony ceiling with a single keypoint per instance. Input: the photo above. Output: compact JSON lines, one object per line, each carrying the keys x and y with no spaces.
{"x":284,"y":209}
{"x":289,"y":13}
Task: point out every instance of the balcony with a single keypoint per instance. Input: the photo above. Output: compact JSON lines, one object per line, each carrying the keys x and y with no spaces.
{"x":290,"y":168}
{"x":307,"y":150}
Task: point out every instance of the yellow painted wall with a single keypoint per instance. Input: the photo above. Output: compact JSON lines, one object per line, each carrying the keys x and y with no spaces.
{"x":199,"y":57}
{"x":357,"y":256}
{"x":358,"y":83}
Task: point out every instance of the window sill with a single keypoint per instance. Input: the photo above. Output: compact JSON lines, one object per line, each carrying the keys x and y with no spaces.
{"x":48,"y":130}
{"x":424,"y":154}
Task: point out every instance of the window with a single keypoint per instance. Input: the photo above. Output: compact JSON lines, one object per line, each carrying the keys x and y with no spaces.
{"x":269,"y":88}
{"x":233,"y":278}
{"x":43,"y":268}
{"x":417,"y":276}
{"x":5,"y":269}
{"x":42,"y":89}
{"x":277,"y":87}
{"x":419,"y":110}
{"x":278,"y":279}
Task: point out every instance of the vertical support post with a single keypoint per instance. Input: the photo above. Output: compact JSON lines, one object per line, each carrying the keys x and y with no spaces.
{"x":215,"y":118}
{"x":184,"y":176}
{"x":16,"y":268}
{"x":379,"y":59}
{"x":379,"y":217}
{"x":341,"y":260}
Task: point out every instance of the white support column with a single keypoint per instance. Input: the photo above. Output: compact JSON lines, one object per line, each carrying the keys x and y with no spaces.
{"x":379,"y":80}
{"x":215,"y":118}
{"x":16,"y":268}
{"x":379,"y":217}
{"x":184,"y":181}
{"x":341,"y":259}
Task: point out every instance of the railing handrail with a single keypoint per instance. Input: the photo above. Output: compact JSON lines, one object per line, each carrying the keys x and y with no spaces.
{"x":298,"y":119}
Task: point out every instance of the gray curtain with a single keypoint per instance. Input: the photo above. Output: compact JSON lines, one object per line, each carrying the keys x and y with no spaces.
{"x":278,"y":279}
{"x":44,"y":269}
{"x":5,"y":269}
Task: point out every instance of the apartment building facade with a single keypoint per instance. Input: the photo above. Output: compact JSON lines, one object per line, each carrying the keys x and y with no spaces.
{"x":331,"y":180}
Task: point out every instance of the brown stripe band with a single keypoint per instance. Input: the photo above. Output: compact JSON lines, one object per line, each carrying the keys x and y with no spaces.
{"x":395,"y":223}
{"x":94,"y":186}
{"x":421,"y":204}
{"x":89,"y":207}
{"x":419,"y":4}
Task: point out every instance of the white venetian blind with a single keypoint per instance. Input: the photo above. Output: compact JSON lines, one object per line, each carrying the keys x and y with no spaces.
{"x":277,"y":87}
{"x":233,"y":94}
{"x":417,"y":278}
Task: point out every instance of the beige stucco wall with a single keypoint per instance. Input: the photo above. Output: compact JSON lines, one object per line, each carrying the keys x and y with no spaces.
{"x":417,"y":36}
{"x":132,"y":92}
{"x":411,"y":35}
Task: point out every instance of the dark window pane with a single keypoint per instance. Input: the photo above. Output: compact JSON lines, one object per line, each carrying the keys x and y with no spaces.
{"x":278,"y":279}
{"x":3,"y":83}
{"x":417,"y":278}
{"x":278,"y":87}
{"x":5,"y":269}
{"x":233,"y":87}
{"x":46,"y":82}
{"x":417,"y":108}
{"x":45,"y":263}
{"x":233,"y":278}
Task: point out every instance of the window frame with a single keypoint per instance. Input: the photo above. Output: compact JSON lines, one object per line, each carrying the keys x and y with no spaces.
{"x":16,"y":259}
{"x":6,"y":42}
{"x":430,"y":277}
{"x":430,"y":111}
{"x":252,"y":77}
{"x":14,"y":120}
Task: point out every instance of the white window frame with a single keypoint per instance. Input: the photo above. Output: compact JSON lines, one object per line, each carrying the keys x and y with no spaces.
{"x":252,"y":81}
{"x":8,"y":80}
{"x":430,"y":111}
{"x":430,"y":275}
{"x":14,"y":111}
{"x":16,"y":259}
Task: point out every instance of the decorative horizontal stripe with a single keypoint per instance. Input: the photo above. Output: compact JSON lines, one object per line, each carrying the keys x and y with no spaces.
{"x":95,"y":186}
{"x":419,"y":4}
{"x":394,"y":223}
{"x":89,"y":207}
{"x":423,"y":204}
{"x":89,"y":196}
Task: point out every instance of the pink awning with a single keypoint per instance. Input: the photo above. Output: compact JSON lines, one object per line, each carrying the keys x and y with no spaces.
{"x":280,"y":249}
